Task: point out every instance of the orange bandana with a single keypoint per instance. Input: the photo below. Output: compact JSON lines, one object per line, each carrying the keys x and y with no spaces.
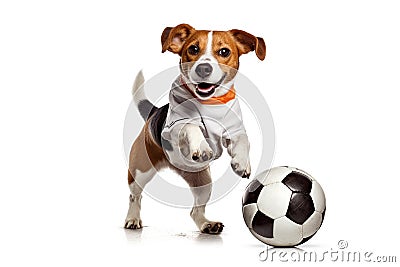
{"x":223,"y":99}
{"x":215,"y":100}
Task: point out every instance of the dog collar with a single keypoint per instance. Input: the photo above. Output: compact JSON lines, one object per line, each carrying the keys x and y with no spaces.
{"x":215,"y":100}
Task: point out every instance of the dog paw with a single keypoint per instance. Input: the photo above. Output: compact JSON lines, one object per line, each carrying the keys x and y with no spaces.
{"x":241,"y":166}
{"x":212,"y":228}
{"x":201,"y":152}
{"x":133,"y":224}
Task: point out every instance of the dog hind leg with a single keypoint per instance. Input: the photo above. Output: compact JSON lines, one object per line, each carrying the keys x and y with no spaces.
{"x":200,"y":184}
{"x":133,"y":220}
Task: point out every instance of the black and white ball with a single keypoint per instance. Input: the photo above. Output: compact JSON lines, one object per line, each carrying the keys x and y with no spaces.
{"x":283,"y":206}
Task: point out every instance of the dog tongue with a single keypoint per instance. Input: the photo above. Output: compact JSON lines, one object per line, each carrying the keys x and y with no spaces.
{"x":205,"y":86}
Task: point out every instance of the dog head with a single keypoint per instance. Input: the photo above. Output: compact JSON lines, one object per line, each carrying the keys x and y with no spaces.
{"x":209,"y":59}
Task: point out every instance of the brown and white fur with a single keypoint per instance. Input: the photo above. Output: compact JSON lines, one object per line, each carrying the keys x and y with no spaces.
{"x":209,"y":62}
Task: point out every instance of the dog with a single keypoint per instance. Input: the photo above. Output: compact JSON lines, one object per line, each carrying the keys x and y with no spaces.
{"x":202,"y":117}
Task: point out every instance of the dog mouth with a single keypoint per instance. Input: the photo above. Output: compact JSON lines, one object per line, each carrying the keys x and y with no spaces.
{"x":204,"y":89}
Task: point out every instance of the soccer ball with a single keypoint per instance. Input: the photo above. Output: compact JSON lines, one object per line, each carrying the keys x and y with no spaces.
{"x":283,"y":206}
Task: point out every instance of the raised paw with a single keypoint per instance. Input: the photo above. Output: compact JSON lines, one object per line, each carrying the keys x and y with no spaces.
{"x":133,"y":224}
{"x":212,"y":228}
{"x":201,"y":152}
{"x":241,"y":166}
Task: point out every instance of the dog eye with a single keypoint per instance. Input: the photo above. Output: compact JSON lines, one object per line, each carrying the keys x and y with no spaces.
{"x":193,"y":49}
{"x":224,"y":52}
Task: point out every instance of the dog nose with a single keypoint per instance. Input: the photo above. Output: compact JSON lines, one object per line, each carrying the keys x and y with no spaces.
{"x":204,"y":70}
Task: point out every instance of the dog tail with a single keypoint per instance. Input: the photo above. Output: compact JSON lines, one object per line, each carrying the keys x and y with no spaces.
{"x":145,"y":107}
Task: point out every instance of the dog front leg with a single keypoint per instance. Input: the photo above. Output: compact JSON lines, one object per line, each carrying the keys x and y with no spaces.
{"x":193,"y":144}
{"x":238,"y":148}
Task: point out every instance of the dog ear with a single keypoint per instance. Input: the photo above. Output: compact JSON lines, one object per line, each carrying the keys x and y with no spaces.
{"x":247,"y":42}
{"x":172,"y":39}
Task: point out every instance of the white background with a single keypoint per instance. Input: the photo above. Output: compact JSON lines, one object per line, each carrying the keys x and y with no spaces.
{"x":331,"y":79}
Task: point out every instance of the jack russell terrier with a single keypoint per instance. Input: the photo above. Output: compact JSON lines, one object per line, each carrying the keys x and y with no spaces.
{"x":203,"y":115}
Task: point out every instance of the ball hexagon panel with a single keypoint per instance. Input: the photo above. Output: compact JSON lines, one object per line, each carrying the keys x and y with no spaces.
{"x":298,"y":182}
{"x":286,"y":232}
{"x":252,"y":192}
{"x":262,"y":224}
{"x":301,"y":207}
{"x":274,"y":199}
{"x":312,"y":224}
{"x":318,"y":196}
{"x":305,"y":239}
{"x":273,"y":175}
{"x":248,"y":213}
